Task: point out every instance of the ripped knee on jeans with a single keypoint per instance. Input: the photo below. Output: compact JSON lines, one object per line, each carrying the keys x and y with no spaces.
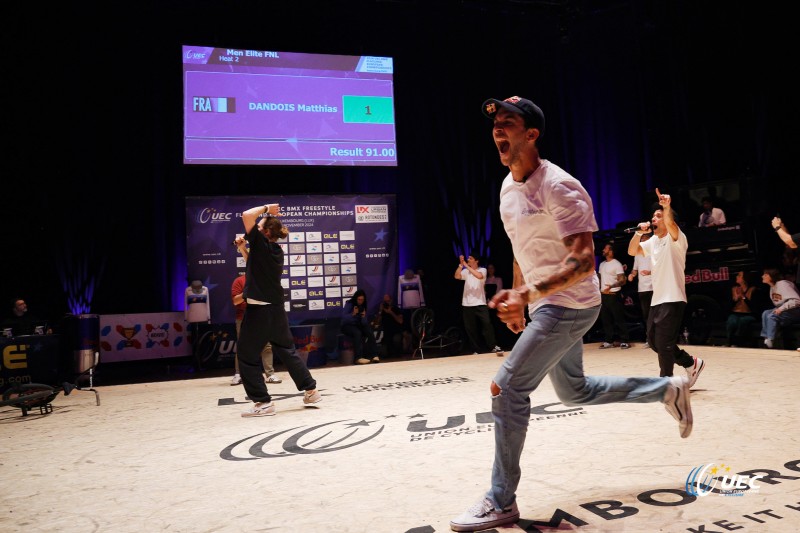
{"x":495,"y":390}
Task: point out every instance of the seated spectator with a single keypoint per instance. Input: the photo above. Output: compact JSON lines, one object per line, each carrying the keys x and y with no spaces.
{"x":786,"y":300}
{"x":356,"y":326}
{"x":389,"y":321}
{"x":743,"y":312}
{"x":20,"y":321}
{"x":711,"y":216}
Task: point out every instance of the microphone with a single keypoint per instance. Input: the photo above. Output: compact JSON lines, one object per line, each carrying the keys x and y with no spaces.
{"x":637,"y":228}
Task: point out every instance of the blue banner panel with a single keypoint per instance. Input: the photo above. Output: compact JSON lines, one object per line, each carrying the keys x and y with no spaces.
{"x":336,"y":245}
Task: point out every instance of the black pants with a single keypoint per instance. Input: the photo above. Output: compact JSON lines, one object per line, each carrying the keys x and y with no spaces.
{"x":477,"y":324}
{"x":645,"y":297}
{"x":663,"y":328}
{"x":613,"y":317}
{"x":262,"y":324}
{"x":361,"y":335}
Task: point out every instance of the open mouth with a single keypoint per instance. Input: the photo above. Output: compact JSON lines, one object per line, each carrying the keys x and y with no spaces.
{"x":503,"y":146}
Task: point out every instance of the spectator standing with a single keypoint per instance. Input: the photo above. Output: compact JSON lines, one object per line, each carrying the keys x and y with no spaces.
{"x":612,"y":314}
{"x":792,"y":240}
{"x":477,"y":323}
{"x":642,"y":270}
{"x":494,"y":283}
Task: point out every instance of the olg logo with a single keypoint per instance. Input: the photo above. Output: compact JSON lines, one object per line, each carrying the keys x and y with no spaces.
{"x":704,"y":479}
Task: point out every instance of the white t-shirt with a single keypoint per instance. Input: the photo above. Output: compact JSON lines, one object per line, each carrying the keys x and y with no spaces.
{"x":609,"y":270}
{"x":782,"y":292}
{"x":668,"y":258}
{"x":474,"y":293}
{"x":537,"y":214}
{"x":716,"y":217}
{"x":640,"y":263}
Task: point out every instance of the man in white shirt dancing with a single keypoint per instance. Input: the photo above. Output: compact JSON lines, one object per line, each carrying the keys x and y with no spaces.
{"x":549,"y":217}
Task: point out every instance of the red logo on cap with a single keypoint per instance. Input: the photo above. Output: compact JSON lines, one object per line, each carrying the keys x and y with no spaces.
{"x":513,"y":99}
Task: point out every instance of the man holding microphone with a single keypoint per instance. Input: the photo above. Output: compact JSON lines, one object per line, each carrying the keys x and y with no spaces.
{"x":667,"y":252}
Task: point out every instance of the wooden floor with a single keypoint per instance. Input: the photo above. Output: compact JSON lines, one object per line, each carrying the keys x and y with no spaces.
{"x":403,"y":446}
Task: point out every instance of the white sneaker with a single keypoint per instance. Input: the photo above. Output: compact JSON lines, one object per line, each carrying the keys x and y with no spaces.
{"x":274,"y":379}
{"x":362,"y":361}
{"x":768,"y":343}
{"x":606,"y":345}
{"x":236,"y":379}
{"x":646,"y":344}
{"x":692,"y":372}
{"x":311,"y":397}
{"x":483,"y":515}
{"x":677,"y":402}
{"x":260,"y":409}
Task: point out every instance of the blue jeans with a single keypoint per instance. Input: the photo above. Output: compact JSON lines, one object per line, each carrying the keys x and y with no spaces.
{"x":552,"y":343}
{"x":770,"y":322}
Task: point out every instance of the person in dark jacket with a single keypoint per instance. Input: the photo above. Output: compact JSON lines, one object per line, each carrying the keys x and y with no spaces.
{"x":355,"y":325}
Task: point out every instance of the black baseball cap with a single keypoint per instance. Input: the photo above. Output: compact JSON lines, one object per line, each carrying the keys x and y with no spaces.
{"x":521,"y":106}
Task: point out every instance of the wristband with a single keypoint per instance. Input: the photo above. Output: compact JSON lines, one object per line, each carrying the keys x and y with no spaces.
{"x":776,"y":229}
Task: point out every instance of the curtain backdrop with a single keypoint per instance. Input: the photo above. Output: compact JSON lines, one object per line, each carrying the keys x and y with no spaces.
{"x":636,"y":95}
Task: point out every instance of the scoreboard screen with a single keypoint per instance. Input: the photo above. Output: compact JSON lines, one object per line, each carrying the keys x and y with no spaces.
{"x":262,"y":107}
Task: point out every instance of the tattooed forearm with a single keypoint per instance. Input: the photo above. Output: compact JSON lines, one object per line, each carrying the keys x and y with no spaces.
{"x":578,"y":264}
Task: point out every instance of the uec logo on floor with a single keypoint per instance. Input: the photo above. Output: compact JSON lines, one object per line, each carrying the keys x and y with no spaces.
{"x":703,"y":480}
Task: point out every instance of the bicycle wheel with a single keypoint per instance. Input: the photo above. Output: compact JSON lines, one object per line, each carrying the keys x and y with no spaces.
{"x":422,"y":322}
{"x":453,"y":340}
{"x":30,"y":395}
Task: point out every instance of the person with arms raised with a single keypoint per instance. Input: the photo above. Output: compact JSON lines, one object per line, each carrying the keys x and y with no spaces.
{"x":265,"y":318}
{"x":667,"y":251}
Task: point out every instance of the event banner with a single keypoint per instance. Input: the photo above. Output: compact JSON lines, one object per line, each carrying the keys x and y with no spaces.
{"x":337,"y":244}
{"x":134,"y":337}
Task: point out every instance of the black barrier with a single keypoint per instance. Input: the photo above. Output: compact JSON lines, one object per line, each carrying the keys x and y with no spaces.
{"x":30,"y":359}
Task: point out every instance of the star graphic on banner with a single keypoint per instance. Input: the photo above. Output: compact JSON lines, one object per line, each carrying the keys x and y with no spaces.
{"x":379,"y":235}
